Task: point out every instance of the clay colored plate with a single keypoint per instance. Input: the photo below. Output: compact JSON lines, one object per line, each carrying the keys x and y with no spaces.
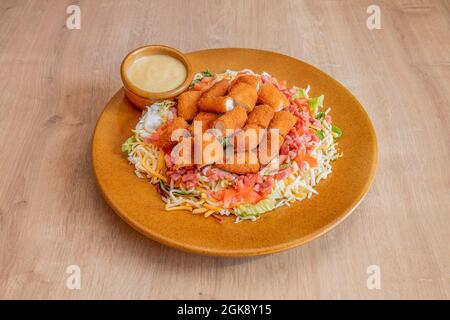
{"x":137,"y":202}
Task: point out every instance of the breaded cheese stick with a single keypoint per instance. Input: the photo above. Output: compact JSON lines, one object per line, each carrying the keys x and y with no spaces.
{"x":244,"y":95}
{"x":207,"y":150}
{"x":269,"y":147}
{"x":218,"y":89}
{"x":187,"y":104}
{"x":261,"y":115}
{"x":232,"y":120}
{"x":165,"y":136}
{"x":178,"y":156}
{"x":220,"y":104}
{"x":250,"y":163}
{"x":248,"y":138}
{"x":283,"y":121}
{"x":269,"y":94}
{"x":251,"y":79}
{"x":206,"y":119}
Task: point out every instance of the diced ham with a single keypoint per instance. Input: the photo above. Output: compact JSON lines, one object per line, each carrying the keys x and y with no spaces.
{"x":281,"y":174}
{"x":185,"y":177}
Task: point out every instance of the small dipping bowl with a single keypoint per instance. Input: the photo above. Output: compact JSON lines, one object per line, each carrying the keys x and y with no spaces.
{"x":142,"y":98}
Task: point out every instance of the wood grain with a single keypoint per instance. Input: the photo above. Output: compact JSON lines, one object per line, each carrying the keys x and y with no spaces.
{"x":56,"y":81}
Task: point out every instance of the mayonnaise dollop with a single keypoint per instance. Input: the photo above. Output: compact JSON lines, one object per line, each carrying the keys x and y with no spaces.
{"x":153,"y":120}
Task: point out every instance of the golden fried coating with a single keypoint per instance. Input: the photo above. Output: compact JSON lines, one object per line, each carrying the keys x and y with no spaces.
{"x":181,"y":159}
{"x":269,"y":94}
{"x":269,"y":147}
{"x":218,"y":89}
{"x":261,"y":115}
{"x":206,"y":119}
{"x":248,"y":138}
{"x":283,"y":121}
{"x":251,"y":79}
{"x":244,"y":95}
{"x":232,"y":120}
{"x":165,"y":134}
{"x":207,"y":150}
{"x":187,"y":104}
{"x":220,"y":104}
{"x":250,"y":163}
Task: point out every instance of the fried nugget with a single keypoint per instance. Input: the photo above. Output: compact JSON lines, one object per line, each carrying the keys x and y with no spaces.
{"x":187,"y":104}
{"x":283,"y":121}
{"x":211,"y":150}
{"x":220,"y":104}
{"x":261,"y":115}
{"x":182,"y":154}
{"x":165,"y":135}
{"x":269,"y":147}
{"x":241,"y":163}
{"x":248,"y":138}
{"x":218,"y":89}
{"x":244,"y":95}
{"x":269,"y":94}
{"x":206,"y":119}
{"x":232,"y":120}
{"x":251,"y":79}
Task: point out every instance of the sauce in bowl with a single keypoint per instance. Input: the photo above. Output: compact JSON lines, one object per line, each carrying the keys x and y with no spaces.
{"x":157,"y":73}
{"x":154,"y":72}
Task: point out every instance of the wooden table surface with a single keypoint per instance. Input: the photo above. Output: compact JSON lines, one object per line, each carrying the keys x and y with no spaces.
{"x":56,"y":81}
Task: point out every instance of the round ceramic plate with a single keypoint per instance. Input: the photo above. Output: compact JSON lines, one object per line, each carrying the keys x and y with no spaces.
{"x":137,"y":202}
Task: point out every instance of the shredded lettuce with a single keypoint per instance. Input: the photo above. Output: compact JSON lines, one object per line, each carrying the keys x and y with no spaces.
{"x":315,"y":103}
{"x":255,"y":210}
{"x":300,"y":93}
{"x":337,"y":131}
{"x":127,"y":146}
{"x":320,"y":134}
{"x":204,"y":73}
{"x":163,"y":105}
{"x":163,"y":187}
{"x":224,"y":183}
{"x":320,"y":115}
{"x":285,"y":165}
{"x":263,"y":206}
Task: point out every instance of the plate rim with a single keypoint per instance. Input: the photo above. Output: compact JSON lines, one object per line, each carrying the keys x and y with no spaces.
{"x":243,"y":252}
